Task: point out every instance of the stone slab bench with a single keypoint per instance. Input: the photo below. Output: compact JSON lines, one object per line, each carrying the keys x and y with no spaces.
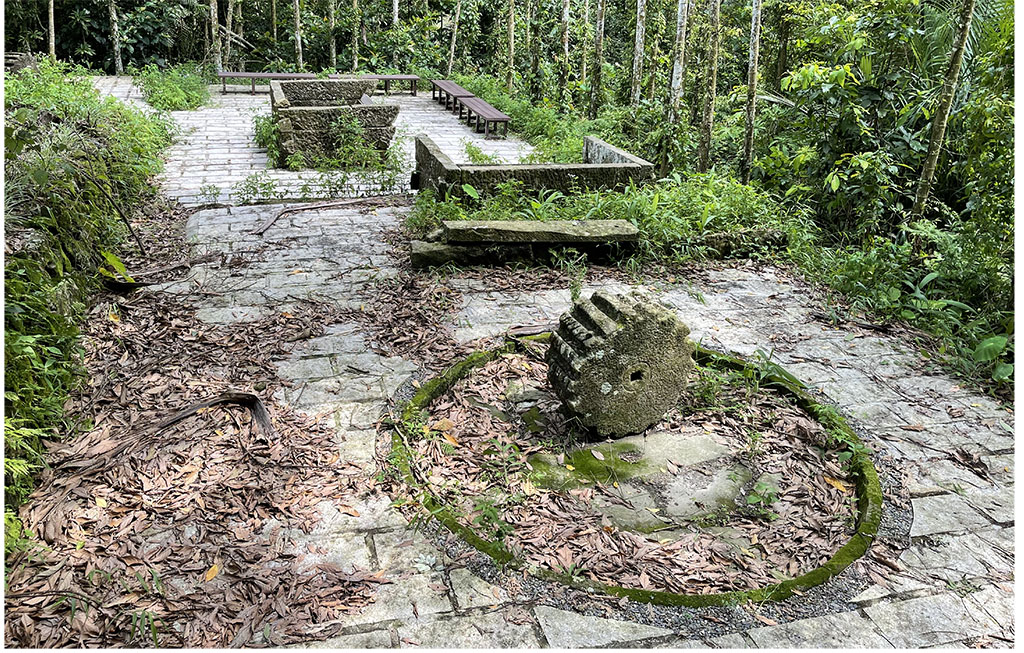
{"x":252,"y":77}
{"x":482,"y":111}
{"x":535,"y":231}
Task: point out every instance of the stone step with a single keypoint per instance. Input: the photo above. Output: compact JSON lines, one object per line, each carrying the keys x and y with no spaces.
{"x":535,"y":231}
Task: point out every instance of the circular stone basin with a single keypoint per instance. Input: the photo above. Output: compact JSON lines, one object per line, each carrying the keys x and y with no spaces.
{"x":748,"y":489}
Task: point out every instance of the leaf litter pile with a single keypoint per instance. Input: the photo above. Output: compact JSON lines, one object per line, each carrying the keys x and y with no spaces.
{"x":172,"y":520}
{"x":472,"y":453}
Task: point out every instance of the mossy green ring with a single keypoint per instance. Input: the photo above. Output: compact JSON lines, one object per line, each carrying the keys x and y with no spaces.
{"x":868,"y":488}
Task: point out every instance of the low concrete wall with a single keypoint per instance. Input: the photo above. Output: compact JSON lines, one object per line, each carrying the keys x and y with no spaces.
{"x":604,"y":166}
{"x":305,"y":110}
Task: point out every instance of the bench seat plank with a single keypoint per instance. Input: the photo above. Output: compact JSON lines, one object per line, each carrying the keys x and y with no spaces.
{"x":483,"y":112}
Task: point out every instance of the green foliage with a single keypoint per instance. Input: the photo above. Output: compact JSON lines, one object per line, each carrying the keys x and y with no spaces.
{"x":178,"y":88}
{"x":674,"y":215}
{"x":70,"y":157}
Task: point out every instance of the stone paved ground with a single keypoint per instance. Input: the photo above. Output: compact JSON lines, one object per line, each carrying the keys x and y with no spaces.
{"x":216,"y":160}
{"x":955,"y":587}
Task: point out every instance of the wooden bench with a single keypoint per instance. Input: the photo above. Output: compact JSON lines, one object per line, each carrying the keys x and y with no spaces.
{"x":387,"y":79}
{"x":412,"y":79}
{"x":225,"y":76}
{"x":482,"y":111}
{"x":448,"y":91}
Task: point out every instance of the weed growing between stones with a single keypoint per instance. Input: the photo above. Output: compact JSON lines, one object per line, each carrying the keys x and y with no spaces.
{"x":477,"y":156}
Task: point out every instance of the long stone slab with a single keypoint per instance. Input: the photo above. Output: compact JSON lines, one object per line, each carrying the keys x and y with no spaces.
{"x":534,"y":231}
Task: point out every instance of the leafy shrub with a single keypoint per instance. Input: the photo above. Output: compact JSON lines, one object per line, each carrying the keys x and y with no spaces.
{"x":178,"y":88}
{"x":73,"y":162}
{"x":674,"y":215}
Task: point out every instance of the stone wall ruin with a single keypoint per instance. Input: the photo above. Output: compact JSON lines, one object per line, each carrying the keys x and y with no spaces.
{"x":604,"y":167}
{"x":305,"y":109}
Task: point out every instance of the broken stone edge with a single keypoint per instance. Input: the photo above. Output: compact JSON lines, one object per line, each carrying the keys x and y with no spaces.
{"x":868,"y":487}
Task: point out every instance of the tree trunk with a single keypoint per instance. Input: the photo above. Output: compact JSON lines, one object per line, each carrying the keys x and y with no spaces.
{"x":228,"y":17}
{"x":638,"y":52}
{"x":355,"y":35}
{"x":332,"y":41}
{"x":455,"y":35}
{"x":755,"y":46}
{"x":652,"y":77}
{"x":938,"y":135}
{"x":678,"y":63}
{"x":534,"y":53}
{"x":394,"y":13}
{"x":595,"y":81}
{"x":511,"y":44}
{"x":273,"y":19}
{"x":563,"y":64}
{"x":585,"y":46}
{"x":298,"y":34}
{"x":53,"y":35}
{"x":218,"y":62}
{"x":704,"y":147}
{"x":115,"y":38}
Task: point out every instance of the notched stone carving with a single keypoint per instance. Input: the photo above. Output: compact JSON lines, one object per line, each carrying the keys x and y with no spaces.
{"x":619,"y":362}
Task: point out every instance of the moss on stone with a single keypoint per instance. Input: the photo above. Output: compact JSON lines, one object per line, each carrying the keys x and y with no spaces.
{"x":869,"y":490}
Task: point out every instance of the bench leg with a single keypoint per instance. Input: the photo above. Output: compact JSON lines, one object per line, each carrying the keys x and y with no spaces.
{"x":487,"y":129}
{"x":253,"y":91}
{"x":387,"y":87}
{"x":412,"y":86}
{"x":224,"y":85}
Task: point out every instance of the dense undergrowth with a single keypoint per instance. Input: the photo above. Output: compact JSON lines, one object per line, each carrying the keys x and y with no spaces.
{"x":75,"y":163}
{"x":177,"y":88}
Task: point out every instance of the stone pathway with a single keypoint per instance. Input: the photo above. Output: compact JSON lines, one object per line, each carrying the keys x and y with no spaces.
{"x":956,"y":584}
{"x":216,"y":160}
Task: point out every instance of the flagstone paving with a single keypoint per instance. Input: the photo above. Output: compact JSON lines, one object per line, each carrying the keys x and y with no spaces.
{"x":955,"y":584}
{"x":216,"y":160}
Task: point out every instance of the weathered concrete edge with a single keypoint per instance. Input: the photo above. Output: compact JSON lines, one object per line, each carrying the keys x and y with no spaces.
{"x":868,"y":486}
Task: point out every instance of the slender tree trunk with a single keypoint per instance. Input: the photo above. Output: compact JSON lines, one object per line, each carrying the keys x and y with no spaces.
{"x":273,"y":20}
{"x":563,"y":64}
{"x":228,"y":18}
{"x":239,"y":22}
{"x":115,"y":38}
{"x":298,"y":34}
{"x":638,"y":51}
{"x":332,"y":41}
{"x":704,"y":147}
{"x":585,"y":46}
{"x":355,"y":35}
{"x":755,"y":46}
{"x":455,"y":36}
{"x":534,"y":53}
{"x":938,"y":135}
{"x":678,"y":65}
{"x":595,"y":81}
{"x":53,"y":34}
{"x":218,"y":62}
{"x":652,"y":77}
{"x":511,"y":44}
{"x":782,"y":60}
{"x":394,"y":13}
